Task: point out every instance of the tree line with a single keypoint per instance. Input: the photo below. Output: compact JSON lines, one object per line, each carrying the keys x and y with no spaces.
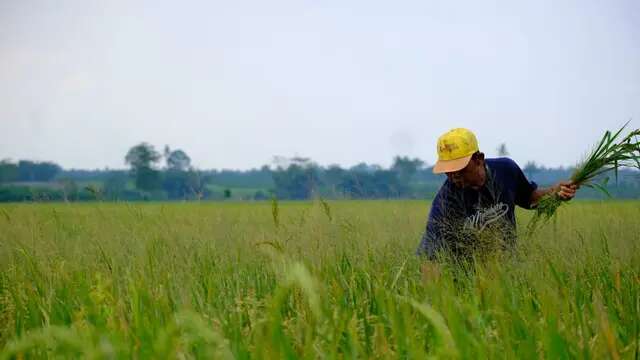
{"x":27,"y":171}
{"x":170,"y":175}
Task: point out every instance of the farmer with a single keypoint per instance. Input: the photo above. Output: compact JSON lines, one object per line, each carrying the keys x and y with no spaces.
{"x":474,"y":208}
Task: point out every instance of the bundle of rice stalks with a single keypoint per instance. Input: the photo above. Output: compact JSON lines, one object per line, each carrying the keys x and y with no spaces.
{"x":613,"y":152}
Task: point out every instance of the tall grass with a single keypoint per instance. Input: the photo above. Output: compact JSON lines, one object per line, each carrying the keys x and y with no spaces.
{"x":308,"y":280}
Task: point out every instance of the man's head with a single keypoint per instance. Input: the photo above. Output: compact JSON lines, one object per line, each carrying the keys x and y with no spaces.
{"x":460,"y":158}
{"x":474,"y":175}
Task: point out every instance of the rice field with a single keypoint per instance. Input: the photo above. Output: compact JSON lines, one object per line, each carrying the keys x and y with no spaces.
{"x":309,"y":280}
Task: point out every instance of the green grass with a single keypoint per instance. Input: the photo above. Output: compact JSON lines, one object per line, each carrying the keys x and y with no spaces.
{"x":224,"y":280}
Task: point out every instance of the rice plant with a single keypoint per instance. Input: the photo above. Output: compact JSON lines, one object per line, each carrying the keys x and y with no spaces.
{"x":219,"y":280}
{"x":612,"y":152}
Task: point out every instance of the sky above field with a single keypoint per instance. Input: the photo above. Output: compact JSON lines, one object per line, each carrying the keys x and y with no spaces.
{"x":234,"y":83}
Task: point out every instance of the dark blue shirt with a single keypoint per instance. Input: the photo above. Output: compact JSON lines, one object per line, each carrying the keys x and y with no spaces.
{"x":459,"y":216}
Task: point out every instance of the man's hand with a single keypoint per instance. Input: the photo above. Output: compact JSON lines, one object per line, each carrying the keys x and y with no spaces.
{"x":565,"y":190}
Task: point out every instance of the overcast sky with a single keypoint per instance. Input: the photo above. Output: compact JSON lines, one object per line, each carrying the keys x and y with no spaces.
{"x":234,"y":83}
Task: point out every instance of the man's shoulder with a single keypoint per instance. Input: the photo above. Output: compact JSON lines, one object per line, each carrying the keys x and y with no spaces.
{"x":502,"y":164}
{"x":445,"y":195}
{"x":441,"y":195}
{"x":445,"y":190}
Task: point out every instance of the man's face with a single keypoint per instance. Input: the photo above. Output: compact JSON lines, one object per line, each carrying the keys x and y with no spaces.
{"x":472,"y":176}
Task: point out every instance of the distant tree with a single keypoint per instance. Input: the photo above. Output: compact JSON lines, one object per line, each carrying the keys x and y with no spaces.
{"x":178,"y":160}
{"x":387,"y":184}
{"x":406,"y":167}
{"x":37,"y":171}
{"x":179,"y":182}
{"x":174,"y":183}
{"x":227,"y":193}
{"x":260,"y":195}
{"x":378,"y":184}
{"x":96,"y":192}
{"x":183,"y":184}
{"x":115,"y":184}
{"x":296,"y":182}
{"x":254,"y":178}
{"x":502,"y":150}
{"x":332,"y":176}
{"x":69,"y":189}
{"x":148,"y":179}
{"x":196,"y":185}
{"x":365,"y":168}
{"x":142,"y":159}
{"x":8,"y":171}
{"x":531,"y":168}
{"x":142,"y":155}
{"x":47,"y":171}
{"x":301,"y":161}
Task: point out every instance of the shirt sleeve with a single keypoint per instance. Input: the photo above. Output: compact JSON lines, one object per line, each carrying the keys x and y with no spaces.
{"x":524,"y":187}
{"x":432,"y":237}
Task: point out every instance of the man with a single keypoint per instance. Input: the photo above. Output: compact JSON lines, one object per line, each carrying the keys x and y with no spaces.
{"x":474,"y":210}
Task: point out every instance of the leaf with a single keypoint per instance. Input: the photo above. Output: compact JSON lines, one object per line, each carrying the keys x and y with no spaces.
{"x":599,"y":187}
{"x":444,"y":344}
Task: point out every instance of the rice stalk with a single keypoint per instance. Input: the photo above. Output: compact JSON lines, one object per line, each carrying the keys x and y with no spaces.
{"x":444,"y":346}
{"x":49,"y":340}
{"x":190,"y":332}
{"x":609,"y":155}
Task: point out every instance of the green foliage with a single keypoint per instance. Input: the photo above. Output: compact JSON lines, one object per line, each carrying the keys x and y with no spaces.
{"x":372,"y":185}
{"x":609,"y":155}
{"x":142,"y":159}
{"x":114,"y":185}
{"x":612,"y":152}
{"x":8,"y":171}
{"x":148,"y":179}
{"x":143,"y":155}
{"x":177,"y":160}
{"x":62,"y":192}
{"x":15,"y":193}
{"x":28,"y":171}
{"x":260,"y":195}
{"x":227,"y":193}
{"x":531,"y":168}
{"x":330,"y":280}
{"x":406,"y":168}
{"x":296,"y":182}
{"x":183,"y":185}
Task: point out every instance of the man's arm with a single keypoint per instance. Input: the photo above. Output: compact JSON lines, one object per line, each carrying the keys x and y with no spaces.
{"x":432,"y":240}
{"x":529,"y":194}
{"x":429,"y":246}
{"x":566,"y":190}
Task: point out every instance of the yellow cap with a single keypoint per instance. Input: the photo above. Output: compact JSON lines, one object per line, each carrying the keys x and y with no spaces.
{"x":455,"y":149}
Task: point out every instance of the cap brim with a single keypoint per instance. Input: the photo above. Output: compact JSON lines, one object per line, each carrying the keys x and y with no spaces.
{"x":445,"y":166}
